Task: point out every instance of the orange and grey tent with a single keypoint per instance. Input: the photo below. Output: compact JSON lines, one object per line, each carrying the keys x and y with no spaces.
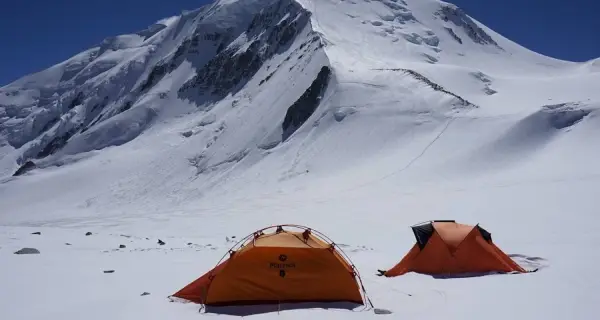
{"x":444,"y":247}
{"x":280,"y":266}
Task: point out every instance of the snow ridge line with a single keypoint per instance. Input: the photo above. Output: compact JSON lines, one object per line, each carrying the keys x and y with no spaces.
{"x":431,"y":84}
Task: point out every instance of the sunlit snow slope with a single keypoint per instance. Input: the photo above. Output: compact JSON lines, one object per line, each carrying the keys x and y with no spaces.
{"x":357,"y":118}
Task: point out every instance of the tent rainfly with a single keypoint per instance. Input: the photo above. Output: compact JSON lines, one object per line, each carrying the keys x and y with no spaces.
{"x":271,"y":267}
{"x":444,"y":247}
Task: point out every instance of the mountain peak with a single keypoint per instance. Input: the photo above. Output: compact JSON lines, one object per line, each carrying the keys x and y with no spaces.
{"x":452,"y":13}
{"x":203,"y":57}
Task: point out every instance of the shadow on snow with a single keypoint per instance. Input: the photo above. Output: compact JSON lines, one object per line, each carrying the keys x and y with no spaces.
{"x":247,"y":310}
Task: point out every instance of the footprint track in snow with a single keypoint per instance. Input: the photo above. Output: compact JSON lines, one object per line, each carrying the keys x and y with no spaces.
{"x":529,"y":262}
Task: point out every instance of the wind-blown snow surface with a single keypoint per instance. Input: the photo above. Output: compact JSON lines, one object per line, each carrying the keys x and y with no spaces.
{"x":357,"y":118}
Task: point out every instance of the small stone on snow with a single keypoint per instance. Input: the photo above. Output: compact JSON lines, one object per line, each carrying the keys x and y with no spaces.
{"x":28,"y":251}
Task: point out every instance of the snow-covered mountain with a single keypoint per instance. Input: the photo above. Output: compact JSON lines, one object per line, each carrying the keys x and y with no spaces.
{"x":356,"y":117}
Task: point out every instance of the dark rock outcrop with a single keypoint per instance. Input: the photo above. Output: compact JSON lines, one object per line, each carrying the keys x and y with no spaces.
{"x":76,"y":101}
{"x":28,"y":251}
{"x":434,"y":86}
{"x":459,"y":18}
{"x":57,"y":143}
{"x":304,"y":107}
{"x":155,"y":75}
{"x":27,"y":166}
{"x":454,"y":35}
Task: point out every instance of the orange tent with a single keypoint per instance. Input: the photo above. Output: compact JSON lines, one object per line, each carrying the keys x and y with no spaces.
{"x":282,"y":266}
{"x":446,"y":247}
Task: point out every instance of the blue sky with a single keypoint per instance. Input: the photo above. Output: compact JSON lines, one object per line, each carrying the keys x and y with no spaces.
{"x":35,"y":34}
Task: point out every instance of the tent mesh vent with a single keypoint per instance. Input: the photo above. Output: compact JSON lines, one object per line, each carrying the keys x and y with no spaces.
{"x":485,"y":234}
{"x":422,"y":234}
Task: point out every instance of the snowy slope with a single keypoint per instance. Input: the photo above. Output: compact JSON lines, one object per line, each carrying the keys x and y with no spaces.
{"x":358,"y":118}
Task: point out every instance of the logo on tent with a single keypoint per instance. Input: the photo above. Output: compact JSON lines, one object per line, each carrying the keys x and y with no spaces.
{"x":282,"y":264}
